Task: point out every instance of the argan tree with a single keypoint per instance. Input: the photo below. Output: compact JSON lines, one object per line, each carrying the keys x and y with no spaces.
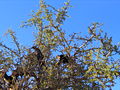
{"x":85,"y":62}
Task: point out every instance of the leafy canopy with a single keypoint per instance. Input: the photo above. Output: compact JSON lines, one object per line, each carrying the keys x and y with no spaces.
{"x":92,"y":63}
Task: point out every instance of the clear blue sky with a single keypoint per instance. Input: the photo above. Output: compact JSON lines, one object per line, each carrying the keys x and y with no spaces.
{"x":83,"y":13}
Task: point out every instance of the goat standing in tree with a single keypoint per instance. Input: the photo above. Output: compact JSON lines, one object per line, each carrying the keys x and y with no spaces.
{"x":39,"y":55}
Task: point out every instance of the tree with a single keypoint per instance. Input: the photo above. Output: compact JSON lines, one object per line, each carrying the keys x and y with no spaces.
{"x":91,"y":64}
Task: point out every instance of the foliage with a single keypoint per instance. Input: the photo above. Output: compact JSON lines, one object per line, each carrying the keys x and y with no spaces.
{"x":92,"y":63}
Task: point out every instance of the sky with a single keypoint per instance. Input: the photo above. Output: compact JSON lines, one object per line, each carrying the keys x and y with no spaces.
{"x":82,"y":14}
